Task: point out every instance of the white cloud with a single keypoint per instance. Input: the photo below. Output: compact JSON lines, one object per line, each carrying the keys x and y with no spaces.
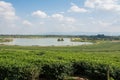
{"x":58,"y":16}
{"x":62,"y":18}
{"x":7,"y":11}
{"x":70,"y":19}
{"x":62,"y":23}
{"x":112,"y":5}
{"x":75,"y":8}
{"x":8,"y":18}
{"x":102,"y":23}
{"x":27,"y":23}
{"x":40,"y":14}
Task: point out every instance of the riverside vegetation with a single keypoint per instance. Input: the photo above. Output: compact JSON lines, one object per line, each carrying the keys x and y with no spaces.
{"x":100,"y":61}
{"x":6,"y":39}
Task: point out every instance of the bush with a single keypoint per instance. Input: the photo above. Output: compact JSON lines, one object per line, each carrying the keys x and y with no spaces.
{"x":55,"y":71}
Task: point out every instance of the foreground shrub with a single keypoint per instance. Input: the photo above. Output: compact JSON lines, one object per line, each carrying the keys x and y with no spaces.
{"x":55,"y":71}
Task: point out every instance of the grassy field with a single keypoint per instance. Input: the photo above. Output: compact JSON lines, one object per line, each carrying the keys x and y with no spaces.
{"x":98,"y":62}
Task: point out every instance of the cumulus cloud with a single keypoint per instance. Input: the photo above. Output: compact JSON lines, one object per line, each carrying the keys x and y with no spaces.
{"x":8,"y":18}
{"x":75,"y":8}
{"x":7,"y":11}
{"x":60,"y":17}
{"x":112,"y":5}
{"x":40,"y":14}
{"x":27,"y":23}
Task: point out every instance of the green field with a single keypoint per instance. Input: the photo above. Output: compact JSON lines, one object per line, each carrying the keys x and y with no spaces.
{"x":98,"y":62}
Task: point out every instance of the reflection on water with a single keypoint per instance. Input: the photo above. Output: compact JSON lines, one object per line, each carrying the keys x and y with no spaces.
{"x":44,"y":42}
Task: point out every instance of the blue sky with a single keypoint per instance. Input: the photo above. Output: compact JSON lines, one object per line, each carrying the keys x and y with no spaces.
{"x":59,"y":16}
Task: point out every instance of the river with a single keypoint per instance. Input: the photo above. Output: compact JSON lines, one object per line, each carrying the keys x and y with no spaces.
{"x":43,"y":42}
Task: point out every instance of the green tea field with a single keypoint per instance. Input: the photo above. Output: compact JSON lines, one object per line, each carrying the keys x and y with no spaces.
{"x":98,"y":62}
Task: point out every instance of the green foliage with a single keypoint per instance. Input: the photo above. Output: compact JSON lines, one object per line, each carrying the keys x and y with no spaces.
{"x":55,"y":71}
{"x":55,"y":63}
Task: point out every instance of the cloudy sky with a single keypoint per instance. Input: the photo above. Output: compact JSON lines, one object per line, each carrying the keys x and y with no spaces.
{"x":62,"y":16}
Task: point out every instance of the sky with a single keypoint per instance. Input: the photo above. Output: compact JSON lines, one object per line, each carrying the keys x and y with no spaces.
{"x":59,"y":16}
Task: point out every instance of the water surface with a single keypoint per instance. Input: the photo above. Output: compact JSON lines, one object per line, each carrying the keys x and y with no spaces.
{"x":43,"y":42}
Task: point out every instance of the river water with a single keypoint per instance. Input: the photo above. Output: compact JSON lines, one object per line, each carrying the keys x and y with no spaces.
{"x":43,"y":42}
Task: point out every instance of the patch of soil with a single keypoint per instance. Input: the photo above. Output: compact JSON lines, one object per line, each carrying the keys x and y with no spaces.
{"x":76,"y":78}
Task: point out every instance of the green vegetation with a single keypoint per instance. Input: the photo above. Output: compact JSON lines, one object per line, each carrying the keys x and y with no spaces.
{"x":6,"y":39}
{"x":60,"y":39}
{"x":95,"y":38}
{"x":98,"y":62}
